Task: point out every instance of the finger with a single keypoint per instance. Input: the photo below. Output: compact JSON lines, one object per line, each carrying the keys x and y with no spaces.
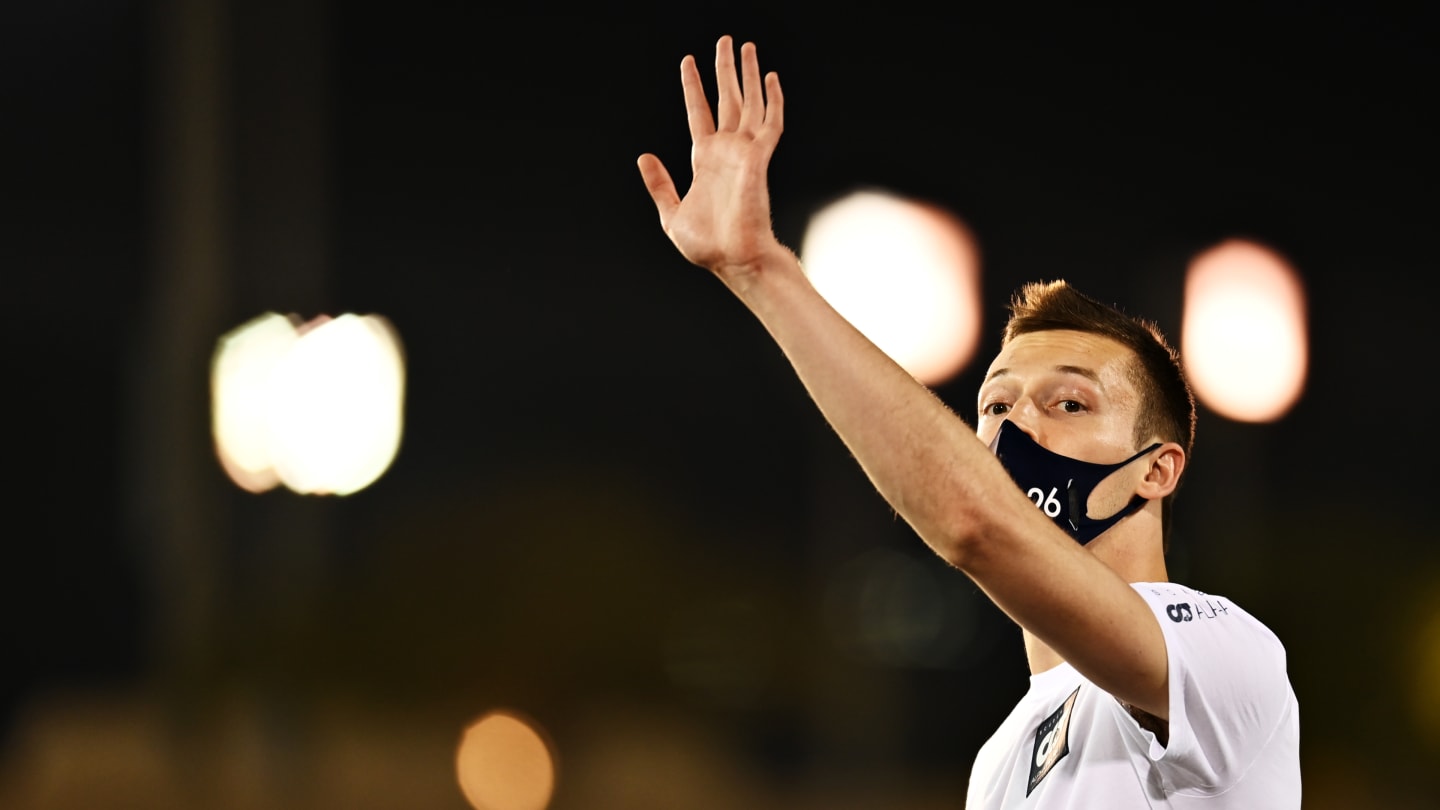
{"x":774,"y":105}
{"x":697,"y":109}
{"x":753,"y":111}
{"x":661,"y":187}
{"x":727,"y":85}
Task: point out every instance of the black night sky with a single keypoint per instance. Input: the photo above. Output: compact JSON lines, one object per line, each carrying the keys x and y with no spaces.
{"x":614,"y":508}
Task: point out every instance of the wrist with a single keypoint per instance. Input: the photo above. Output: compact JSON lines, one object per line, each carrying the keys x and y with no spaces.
{"x":774,"y":262}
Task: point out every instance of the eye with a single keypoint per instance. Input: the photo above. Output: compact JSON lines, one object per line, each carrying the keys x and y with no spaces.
{"x":1072,"y":406}
{"x":995,"y":409}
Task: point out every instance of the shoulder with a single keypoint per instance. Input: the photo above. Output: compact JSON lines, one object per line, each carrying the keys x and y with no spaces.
{"x":1216,"y":646}
{"x":1231,"y":703}
{"x":1176,"y":604}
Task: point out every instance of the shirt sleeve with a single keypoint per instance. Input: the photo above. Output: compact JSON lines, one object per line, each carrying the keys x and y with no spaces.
{"x":1229,"y":689}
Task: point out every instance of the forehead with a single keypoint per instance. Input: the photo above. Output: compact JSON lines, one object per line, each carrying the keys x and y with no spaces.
{"x":1062,"y":351}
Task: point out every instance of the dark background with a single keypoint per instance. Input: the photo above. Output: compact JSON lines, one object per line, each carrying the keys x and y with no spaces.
{"x":613,"y":508}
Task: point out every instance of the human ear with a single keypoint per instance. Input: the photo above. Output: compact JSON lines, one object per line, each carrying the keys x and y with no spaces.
{"x":1162,"y":475}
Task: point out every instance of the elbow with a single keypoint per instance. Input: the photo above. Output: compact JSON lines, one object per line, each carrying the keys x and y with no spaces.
{"x":968,"y":531}
{"x":968,"y":519}
{"x":957,"y":537}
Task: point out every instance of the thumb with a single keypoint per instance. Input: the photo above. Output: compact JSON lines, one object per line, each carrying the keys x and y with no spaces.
{"x":658,"y":183}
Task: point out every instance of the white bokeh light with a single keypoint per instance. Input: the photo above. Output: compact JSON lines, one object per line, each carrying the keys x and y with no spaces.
{"x":905,"y":274}
{"x":239,"y":382}
{"x":1244,"y":335}
{"x":318,"y":407}
{"x":335,"y":408}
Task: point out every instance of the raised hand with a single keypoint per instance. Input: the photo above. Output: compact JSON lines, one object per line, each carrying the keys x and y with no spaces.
{"x":723,"y":221}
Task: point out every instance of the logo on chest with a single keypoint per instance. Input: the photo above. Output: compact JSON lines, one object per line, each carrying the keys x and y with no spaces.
{"x":1052,"y":742}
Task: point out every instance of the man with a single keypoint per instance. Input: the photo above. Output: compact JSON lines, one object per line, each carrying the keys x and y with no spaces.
{"x":1143,"y":693}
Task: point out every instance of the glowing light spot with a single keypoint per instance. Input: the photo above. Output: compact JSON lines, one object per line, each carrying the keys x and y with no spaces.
{"x":905,"y":274}
{"x":239,"y":381}
{"x":335,"y":406}
{"x":1244,"y":340}
{"x":504,"y":763}
{"x":318,"y":407}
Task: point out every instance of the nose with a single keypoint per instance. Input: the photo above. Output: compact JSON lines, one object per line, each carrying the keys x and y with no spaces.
{"x":1025,"y":416}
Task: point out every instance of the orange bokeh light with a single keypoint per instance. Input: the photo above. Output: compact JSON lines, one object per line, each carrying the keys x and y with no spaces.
{"x":504,"y":763}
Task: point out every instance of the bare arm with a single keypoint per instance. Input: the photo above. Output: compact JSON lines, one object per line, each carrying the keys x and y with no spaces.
{"x":922,"y":458}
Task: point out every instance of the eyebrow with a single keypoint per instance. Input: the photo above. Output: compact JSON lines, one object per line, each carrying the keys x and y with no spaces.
{"x":1082,"y":371}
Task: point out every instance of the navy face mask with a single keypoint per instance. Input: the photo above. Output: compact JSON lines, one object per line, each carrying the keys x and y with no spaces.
{"x":1059,"y":485}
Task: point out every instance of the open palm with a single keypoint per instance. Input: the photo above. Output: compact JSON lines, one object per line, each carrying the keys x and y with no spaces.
{"x":723,"y":221}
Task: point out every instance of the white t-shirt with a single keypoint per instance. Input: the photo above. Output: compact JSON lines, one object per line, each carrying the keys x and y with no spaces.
{"x":1234,"y":736}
